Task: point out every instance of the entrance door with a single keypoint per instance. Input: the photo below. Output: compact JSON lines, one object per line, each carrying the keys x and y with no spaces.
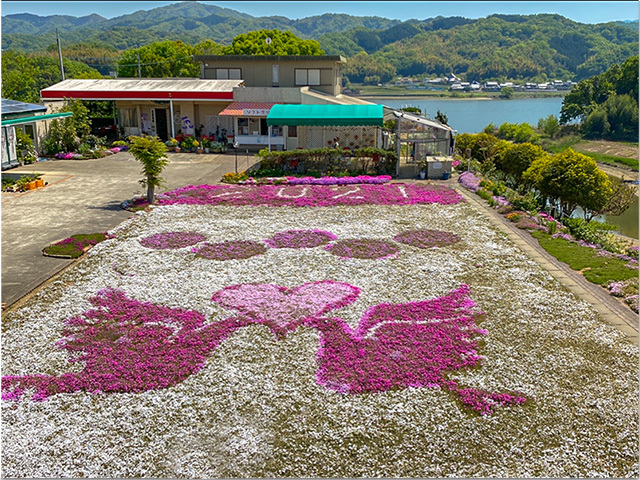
{"x":161,"y":124}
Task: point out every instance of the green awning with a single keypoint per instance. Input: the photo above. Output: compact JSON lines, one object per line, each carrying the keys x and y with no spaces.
{"x":325,"y":115}
{"x":35,"y":118}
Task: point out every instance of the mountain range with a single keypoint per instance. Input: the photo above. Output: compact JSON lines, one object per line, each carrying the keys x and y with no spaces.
{"x":513,"y":46}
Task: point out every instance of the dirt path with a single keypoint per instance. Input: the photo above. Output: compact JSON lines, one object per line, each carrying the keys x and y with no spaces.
{"x":605,"y":147}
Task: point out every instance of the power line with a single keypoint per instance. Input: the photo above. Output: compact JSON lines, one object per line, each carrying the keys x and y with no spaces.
{"x":132,"y":64}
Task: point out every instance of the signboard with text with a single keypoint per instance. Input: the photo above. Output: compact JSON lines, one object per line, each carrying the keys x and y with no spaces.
{"x":256,"y":112}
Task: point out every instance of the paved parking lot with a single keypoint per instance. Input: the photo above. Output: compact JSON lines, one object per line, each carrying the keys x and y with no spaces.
{"x":83,"y":196}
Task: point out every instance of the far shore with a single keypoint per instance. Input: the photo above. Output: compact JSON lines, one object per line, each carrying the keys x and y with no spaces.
{"x":423,"y":97}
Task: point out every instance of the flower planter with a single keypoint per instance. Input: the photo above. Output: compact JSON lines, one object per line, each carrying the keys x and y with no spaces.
{"x":39,"y":183}
{"x":178,"y":149}
{"x":207,"y":150}
{"x":200,"y":151}
{"x":31,"y":185}
{"x":423,"y":175}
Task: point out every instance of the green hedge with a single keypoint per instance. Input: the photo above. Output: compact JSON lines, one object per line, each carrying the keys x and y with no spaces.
{"x":323,"y":161}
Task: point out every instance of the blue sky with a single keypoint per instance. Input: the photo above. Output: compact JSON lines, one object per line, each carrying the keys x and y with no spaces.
{"x":585,"y":12}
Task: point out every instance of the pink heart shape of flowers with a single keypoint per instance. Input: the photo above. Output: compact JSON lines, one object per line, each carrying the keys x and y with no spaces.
{"x":283,"y":309}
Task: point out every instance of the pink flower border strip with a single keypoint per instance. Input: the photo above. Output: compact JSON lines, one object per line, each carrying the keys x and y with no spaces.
{"x":311,"y":195}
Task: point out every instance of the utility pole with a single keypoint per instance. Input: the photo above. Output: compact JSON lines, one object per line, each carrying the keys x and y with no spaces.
{"x":60,"y":55}
{"x":139,"y":70}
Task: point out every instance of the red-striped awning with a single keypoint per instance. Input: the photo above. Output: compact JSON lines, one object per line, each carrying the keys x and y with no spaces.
{"x":248,"y":109}
{"x":142,"y":89}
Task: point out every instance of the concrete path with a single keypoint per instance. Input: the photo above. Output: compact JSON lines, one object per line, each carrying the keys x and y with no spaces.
{"x":82,"y":196}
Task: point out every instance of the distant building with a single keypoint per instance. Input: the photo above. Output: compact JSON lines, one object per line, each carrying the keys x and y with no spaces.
{"x":491,"y":87}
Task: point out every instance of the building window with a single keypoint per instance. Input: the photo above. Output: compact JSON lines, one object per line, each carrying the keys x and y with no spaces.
{"x":275,"y":75}
{"x":128,"y":117}
{"x":307,"y":76}
{"x":276,"y":131}
{"x":228,"y":74}
{"x":243,"y":126}
{"x":28,"y":129}
{"x":292,"y":131}
{"x":252,"y":126}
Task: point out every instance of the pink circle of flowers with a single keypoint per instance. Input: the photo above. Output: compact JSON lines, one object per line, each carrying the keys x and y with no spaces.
{"x":231,"y":250}
{"x":363,"y":248}
{"x":427,"y":238}
{"x":300,"y":239}
{"x":172,"y":240}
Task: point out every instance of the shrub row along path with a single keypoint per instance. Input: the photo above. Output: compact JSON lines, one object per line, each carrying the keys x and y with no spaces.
{"x":82,"y":196}
{"x":611,"y":309}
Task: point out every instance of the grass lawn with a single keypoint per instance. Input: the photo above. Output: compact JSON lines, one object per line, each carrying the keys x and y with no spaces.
{"x":597,"y":269}
{"x":612,"y":159}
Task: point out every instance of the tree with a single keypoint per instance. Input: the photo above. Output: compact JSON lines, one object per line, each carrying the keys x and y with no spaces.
{"x":160,"y":60}
{"x":596,"y":124}
{"x":621,"y":198}
{"x":23,"y":77}
{"x":19,"y":78}
{"x":549,"y":126}
{"x":506,"y":92}
{"x":80,"y":120}
{"x":515,"y":159}
{"x":65,"y":134}
{"x":570,"y":180}
{"x":151,"y":152}
{"x":282,"y":43}
{"x":588,"y":94}
{"x":362,"y":66}
{"x":442,"y":118}
{"x":61,"y":137}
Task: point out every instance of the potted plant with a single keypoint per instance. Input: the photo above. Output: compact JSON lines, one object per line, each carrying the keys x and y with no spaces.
{"x":172,"y":144}
{"x":188,"y":143}
{"x":422,"y":168}
{"x":206,"y":144}
{"x":197,"y":146}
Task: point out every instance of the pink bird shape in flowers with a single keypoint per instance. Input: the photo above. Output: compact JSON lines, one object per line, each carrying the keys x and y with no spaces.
{"x":406,"y":345}
{"x":127,"y":346}
{"x":282,"y":309}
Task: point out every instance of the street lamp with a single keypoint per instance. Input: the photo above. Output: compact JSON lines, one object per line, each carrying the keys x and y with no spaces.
{"x":235,"y":146}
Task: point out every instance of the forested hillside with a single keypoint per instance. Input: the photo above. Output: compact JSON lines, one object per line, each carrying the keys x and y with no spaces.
{"x":500,"y":47}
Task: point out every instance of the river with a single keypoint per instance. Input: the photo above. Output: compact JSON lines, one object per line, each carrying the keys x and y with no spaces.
{"x":471,"y":115}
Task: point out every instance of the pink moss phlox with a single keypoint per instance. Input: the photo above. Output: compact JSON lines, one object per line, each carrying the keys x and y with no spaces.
{"x":363,"y":248}
{"x":311,"y":195}
{"x":172,"y":240}
{"x":427,"y":238}
{"x":300,"y":239}
{"x":230,"y":250}
{"x":405,"y":345}
{"x":282,"y":309}
{"x":127,"y":346}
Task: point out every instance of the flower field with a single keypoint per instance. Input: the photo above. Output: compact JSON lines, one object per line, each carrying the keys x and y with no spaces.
{"x":314,"y":331}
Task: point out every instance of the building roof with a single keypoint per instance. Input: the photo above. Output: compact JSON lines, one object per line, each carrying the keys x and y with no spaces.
{"x":422,"y":120}
{"x":325,"y":115}
{"x":142,"y":89}
{"x":270,"y":58}
{"x":247,"y":109}
{"x":13,"y":108}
